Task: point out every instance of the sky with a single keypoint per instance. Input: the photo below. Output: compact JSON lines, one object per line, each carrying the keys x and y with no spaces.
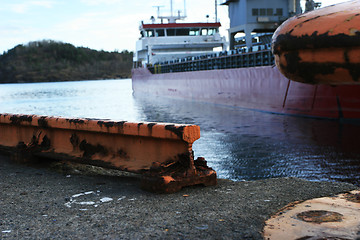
{"x":109,"y":25}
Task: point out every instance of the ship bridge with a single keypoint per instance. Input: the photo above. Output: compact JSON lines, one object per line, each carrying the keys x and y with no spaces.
{"x":168,"y":41}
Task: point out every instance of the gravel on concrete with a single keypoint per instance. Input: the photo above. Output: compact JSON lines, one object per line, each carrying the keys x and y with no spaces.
{"x":59,"y":201}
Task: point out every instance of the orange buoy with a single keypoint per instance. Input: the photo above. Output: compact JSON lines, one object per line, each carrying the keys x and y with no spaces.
{"x":321,"y":46}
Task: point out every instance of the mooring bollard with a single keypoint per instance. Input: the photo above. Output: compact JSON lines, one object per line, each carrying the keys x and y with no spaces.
{"x":161,"y":152}
{"x":335,"y":217}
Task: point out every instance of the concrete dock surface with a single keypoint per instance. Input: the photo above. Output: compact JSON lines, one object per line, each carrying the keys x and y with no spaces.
{"x":61,"y":201}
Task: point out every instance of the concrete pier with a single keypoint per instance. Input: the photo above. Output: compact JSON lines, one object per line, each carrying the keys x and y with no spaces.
{"x":64,"y":201}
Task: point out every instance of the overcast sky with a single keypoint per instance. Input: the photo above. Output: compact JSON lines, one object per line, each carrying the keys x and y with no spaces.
{"x":98,"y":24}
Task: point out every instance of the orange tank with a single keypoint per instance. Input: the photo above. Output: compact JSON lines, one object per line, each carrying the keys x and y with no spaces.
{"x":321,"y":46}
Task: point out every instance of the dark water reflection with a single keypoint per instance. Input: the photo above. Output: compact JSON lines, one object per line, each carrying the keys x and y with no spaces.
{"x":245,"y":145}
{"x":239,"y":144}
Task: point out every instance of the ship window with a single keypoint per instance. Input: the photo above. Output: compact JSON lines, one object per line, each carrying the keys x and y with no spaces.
{"x":262,"y":12}
{"x":204,"y":31}
{"x":160,"y":32}
{"x":170,"y":32}
{"x":194,"y":32}
{"x":269,"y":11}
{"x":182,"y":32}
{"x":150,"y":33}
{"x":255,"y":12}
{"x":279,"y":12}
{"x":212,"y":31}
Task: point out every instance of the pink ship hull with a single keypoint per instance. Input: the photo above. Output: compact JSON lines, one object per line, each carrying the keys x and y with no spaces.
{"x":257,"y":88}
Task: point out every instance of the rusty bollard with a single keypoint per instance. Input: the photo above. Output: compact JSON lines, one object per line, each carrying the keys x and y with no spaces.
{"x":320,"y":218}
{"x":161,"y":152}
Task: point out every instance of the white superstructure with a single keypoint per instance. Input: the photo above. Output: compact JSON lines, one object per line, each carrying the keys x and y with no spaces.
{"x":161,"y":42}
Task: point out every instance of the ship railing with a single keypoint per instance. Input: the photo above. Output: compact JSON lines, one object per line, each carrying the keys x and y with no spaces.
{"x":137,"y":64}
{"x":239,"y":58}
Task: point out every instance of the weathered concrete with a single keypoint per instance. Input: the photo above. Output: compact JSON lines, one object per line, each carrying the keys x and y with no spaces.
{"x":43,"y":202}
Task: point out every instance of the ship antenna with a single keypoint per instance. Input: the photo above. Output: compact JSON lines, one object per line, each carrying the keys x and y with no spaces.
{"x":158,"y":12}
{"x":216,"y":18}
{"x":184,"y":8}
{"x":171,"y":7}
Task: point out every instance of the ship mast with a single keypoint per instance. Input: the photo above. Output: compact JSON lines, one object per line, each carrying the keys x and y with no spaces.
{"x":171,"y":8}
{"x":184,"y":9}
{"x":216,"y":18}
{"x":172,"y":18}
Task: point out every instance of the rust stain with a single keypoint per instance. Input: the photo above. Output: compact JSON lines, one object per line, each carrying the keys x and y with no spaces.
{"x":90,"y":150}
{"x":353,"y":197}
{"x":45,"y":143}
{"x":351,"y":18}
{"x":107,"y":124}
{"x":353,"y":31}
{"x":173,"y":175}
{"x":43,"y":122}
{"x":139,"y":125}
{"x":150,"y":125}
{"x":122,"y":154}
{"x":320,"y":216}
{"x":76,"y":121}
{"x":17,"y":119}
{"x":177,"y":130}
{"x":111,"y":124}
{"x":74,"y":140}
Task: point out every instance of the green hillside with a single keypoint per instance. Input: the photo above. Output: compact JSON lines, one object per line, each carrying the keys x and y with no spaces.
{"x":49,"y":61}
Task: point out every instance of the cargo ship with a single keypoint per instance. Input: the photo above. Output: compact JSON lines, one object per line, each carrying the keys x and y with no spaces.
{"x":178,"y":60}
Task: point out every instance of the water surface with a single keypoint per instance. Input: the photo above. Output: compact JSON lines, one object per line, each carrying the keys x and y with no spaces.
{"x":239,"y":144}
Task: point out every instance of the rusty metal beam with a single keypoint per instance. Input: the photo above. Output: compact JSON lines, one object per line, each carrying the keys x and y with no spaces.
{"x":161,"y":152}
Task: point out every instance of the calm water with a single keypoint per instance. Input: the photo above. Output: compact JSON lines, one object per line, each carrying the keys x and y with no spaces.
{"x":239,"y":144}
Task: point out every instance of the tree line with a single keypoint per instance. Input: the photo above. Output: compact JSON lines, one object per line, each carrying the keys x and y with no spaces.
{"x":50,"y":61}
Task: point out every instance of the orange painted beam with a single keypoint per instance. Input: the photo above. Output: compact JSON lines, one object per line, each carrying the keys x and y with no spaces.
{"x":148,"y":148}
{"x":321,"y":46}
